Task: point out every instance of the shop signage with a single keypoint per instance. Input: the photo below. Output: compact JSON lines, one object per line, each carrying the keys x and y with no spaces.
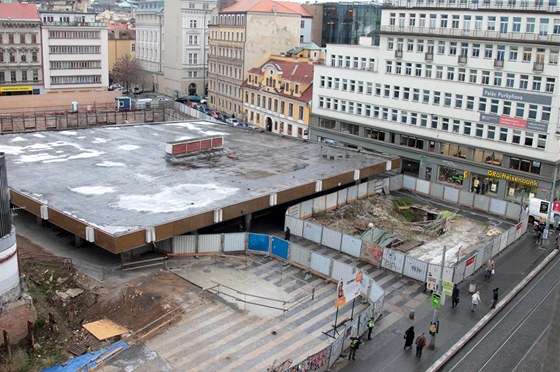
{"x":509,"y":177}
{"x":508,"y":121}
{"x":23,"y":88}
{"x":517,"y":96}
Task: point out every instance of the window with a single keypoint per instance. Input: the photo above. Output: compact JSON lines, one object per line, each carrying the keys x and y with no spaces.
{"x":533,"y":109}
{"x":504,"y":134}
{"x":406,"y":94}
{"x":443,"y":21}
{"x":513,"y":53}
{"x":415,"y":95}
{"x":491,"y":133}
{"x":450,"y":73}
{"x":458,"y":101}
{"x":504,"y":25}
{"x":396,"y":92}
{"x":488,"y":48}
{"x":491,"y":23}
{"x":447,"y":100}
{"x":426,"y":96}
{"x":455,"y":22}
{"x":527,"y":54}
{"x":497,"y":79}
{"x":467,"y":22}
{"x":476,"y":50}
{"x":543,"y":26}
{"x":523,"y":81}
{"x":441,"y":47}
{"x":516,"y":27}
{"x":541,"y":142}
{"x":486,"y":77}
{"x":389,"y":67}
{"x":420,"y":46}
{"x":494,"y":105}
{"x":24,"y":75}
{"x":506,"y":110}
{"x":520,"y":110}
{"x":398,"y":68}
{"x":545,"y":113}
{"x":461,"y":75}
{"x":470,"y":102}
{"x":13,"y":76}
{"x":510,"y":80}
{"x":453,"y":48}
{"x":478,"y":23}
{"x":439,"y":72}
{"x":482,"y":104}
{"x":537,"y":82}
{"x":549,"y":87}
{"x":479,"y":130}
{"x":530,"y":27}
{"x":553,"y":57}
{"x":525,"y":165}
{"x":390,"y":44}
{"x":529,"y":139}
{"x":437,"y":98}
{"x":467,"y":128}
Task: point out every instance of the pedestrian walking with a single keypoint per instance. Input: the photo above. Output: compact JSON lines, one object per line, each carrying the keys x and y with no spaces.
{"x":420,"y":343}
{"x":539,"y":235}
{"x":288,"y":234}
{"x":490,"y":268}
{"x":409,"y":338}
{"x":475,"y":300}
{"x":455,"y":296}
{"x":558,"y":241}
{"x":495,"y":297}
{"x":370,"y":323}
{"x":354,"y":346}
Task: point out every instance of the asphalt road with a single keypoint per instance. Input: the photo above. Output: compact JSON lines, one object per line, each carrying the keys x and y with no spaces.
{"x":514,"y":340}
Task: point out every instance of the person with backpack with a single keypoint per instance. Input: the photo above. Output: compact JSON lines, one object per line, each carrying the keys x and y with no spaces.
{"x":420,"y":343}
{"x":354,"y":346}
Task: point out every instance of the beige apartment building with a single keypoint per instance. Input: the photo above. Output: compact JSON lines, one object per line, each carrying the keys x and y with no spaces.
{"x":245,"y":35}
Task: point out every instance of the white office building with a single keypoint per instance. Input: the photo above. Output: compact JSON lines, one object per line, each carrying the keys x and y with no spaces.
{"x":186,"y":52}
{"x":466,"y":92}
{"x":75,"y":52}
{"x":149,"y":24}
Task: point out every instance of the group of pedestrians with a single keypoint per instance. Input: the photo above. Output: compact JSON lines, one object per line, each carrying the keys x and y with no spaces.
{"x":420,"y":341}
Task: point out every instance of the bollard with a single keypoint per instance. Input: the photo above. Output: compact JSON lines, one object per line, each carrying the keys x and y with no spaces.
{"x":411,"y":315}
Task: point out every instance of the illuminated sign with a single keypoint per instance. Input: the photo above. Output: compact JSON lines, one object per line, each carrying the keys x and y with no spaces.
{"x":509,"y":177}
{"x":23,"y":88}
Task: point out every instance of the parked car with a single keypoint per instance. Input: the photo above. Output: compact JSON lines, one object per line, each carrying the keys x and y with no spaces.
{"x":162,"y":98}
{"x":232,"y":121}
{"x":137,"y":90}
{"x":204,"y":109}
{"x":329,"y":141}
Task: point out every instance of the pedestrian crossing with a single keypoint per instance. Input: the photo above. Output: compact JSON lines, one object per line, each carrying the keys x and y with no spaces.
{"x":219,"y":335}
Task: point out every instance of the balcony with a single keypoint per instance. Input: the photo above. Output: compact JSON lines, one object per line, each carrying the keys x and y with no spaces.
{"x":459,"y":33}
{"x":498,"y":62}
{"x":398,"y":53}
{"x":538,"y":66}
{"x":519,"y":5}
{"x":462,"y":59}
{"x":429,"y":56}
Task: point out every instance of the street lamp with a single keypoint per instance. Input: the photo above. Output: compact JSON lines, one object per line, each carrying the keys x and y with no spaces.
{"x":435,"y":318}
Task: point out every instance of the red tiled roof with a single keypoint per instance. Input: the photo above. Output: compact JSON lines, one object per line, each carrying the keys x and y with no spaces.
{"x":117,"y":26}
{"x":265,"y":6}
{"x":301,"y":72}
{"x":19,"y":11}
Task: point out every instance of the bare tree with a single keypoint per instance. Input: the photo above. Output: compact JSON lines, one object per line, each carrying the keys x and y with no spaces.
{"x":128,"y":71}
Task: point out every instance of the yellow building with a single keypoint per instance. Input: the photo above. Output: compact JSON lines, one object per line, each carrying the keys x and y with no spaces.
{"x":121,"y":42}
{"x":277,"y":95}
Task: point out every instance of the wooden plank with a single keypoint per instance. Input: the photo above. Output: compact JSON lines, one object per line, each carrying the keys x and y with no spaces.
{"x":104,"y":329}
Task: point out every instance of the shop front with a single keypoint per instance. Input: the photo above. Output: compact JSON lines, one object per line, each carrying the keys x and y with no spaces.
{"x":451,"y":175}
{"x":517,"y":188}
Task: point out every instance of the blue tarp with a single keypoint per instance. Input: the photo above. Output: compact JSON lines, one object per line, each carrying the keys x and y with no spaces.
{"x":258,"y":242}
{"x":88,"y":361}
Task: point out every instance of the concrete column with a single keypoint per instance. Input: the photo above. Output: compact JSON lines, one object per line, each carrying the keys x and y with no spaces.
{"x":247,"y":219}
{"x":126,"y":257}
{"x":40,"y":221}
{"x":78,"y":241}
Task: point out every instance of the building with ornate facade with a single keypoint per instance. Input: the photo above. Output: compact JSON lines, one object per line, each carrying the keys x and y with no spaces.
{"x":466,"y":93}
{"x":277,"y":95}
{"x":21,"y":66}
{"x":150,"y":38}
{"x":244,"y":35}
{"x":75,"y":52}
{"x":186,"y":53}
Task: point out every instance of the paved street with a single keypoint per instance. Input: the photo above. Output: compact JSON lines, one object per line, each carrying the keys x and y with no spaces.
{"x":385,"y":351}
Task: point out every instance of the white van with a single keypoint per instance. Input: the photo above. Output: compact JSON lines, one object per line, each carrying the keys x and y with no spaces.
{"x":538,"y":208}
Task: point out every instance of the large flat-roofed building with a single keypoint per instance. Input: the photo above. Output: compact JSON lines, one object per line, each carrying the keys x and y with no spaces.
{"x":466,"y":93}
{"x":119,"y":188}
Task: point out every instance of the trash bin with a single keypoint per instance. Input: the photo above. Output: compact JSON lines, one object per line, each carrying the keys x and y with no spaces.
{"x":472,"y":287}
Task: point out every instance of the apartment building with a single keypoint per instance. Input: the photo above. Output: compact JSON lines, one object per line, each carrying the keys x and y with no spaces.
{"x":186,"y":52}
{"x":21,"y":67}
{"x":150,"y":47}
{"x":75,"y":52}
{"x":244,"y":35}
{"x":464,"y":91}
{"x":122,"y":42}
{"x":277,"y":95}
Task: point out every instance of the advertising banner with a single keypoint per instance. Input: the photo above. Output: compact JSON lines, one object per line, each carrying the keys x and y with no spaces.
{"x":350,"y":288}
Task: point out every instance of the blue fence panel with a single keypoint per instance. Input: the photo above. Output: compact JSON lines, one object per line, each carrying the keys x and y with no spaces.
{"x":280,"y":248}
{"x":258,"y":242}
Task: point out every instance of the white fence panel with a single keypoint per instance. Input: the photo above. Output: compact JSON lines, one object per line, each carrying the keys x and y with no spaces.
{"x":459,"y":273}
{"x":435,"y":269}
{"x":352,"y":193}
{"x":319,"y":204}
{"x":511,"y":235}
{"x":342,"y":197}
{"x":312,"y":231}
{"x":423,"y":186}
{"x":351,"y":245}
{"x":331,"y":238}
{"x":294,"y":210}
{"x":376,"y":291}
{"x":479,"y":258}
{"x":519,"y":229}
{"x":234,"y":242}
{"x":503,"y":241}
{"x":415,"y":268}
{"x":470,"y":264}
{"x":393,"y":260}
{"x":332,"y":201}
{"x":320,"y":263}
{"x":498,"y":206}
{"x":409,"y":182}
{"x":300,"y":254}
{"x":306,"y":208}
{"x":184,"y":244}
{"x":165,"y":245}
{"x":362,"y":190}
{"x":208,"y":243}
{"x":341,"y":270}
{"x":496,"y":246}
{"x":451,"y":194}
{"x":376,"y":186}
{"x":295,"y":225}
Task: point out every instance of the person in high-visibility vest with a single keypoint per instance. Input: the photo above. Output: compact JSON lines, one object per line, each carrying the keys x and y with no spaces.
{"x":370,"y":323}
{"x":354,"y":345}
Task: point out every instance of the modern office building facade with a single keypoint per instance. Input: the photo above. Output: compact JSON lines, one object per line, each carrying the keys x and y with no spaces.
{"x":186,"y":52}
{"x":466,"y":94}
{"x":21,"y":65}
{"x":244,"y":35}
{"x":346,"y":22}
{"x":75,"y":52}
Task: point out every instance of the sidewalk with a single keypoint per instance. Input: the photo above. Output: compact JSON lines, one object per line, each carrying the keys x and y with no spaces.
{"x":385,"y":351}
